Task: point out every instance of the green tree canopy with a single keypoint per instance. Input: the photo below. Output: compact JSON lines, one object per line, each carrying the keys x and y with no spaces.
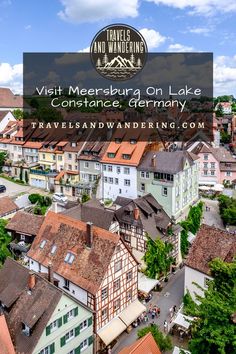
{"x":4,"y":242}
{"x":227,"y":207}
{"x":157,"y":257}
{"x":3,"y":156}
{"x":163,"y":342}
{"x":18,"y":113}
{"x":214,"y":331}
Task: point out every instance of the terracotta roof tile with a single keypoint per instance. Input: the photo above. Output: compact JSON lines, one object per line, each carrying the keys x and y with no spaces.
{"x":211,"y":243}
{"x":8,"y":99}
{"x":25,"y":223}
{"x":144,"y":345}
{"x":5,"y":338}
{"x":7,"y":205}
{"x":90,"y":264}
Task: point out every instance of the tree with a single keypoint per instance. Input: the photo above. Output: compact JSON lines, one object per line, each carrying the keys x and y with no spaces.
{"x":219,"y":111}
{"x":163,"y":342}
{"x":213,"y":330}
{"x":3,"y":156}
{"x":21,"y":173}
{"x":5,"y":239}
{"x":227,"y":206}
{"x":26,"y":177}
{"x":105,"y":59}
{"x":132,"y":59}
{"x":48,"y":115}
{"x":98,"y":64}
{"x":85,"y":198}
{"x":34,"y":103}
{"x":18,"y":113}
{"x":157,"y":258}
{"x":225,"y":138}
{"x":139,"y":63}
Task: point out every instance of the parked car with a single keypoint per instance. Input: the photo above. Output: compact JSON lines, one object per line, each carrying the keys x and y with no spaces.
{"x":59,"y":197}
{"x":2,"y":188}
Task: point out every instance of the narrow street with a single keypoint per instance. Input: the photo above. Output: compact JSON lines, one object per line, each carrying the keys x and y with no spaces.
{"x":212,"y":217}
{"x":171,"y":294}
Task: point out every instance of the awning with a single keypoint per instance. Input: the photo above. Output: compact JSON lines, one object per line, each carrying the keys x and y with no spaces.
{"x":132,"y":312}
{"x":112,"y":330}
{"x":146,"y":284}
{"x":139,"y":256}
{"x":178,"y":350}
{"x":182,"y":320}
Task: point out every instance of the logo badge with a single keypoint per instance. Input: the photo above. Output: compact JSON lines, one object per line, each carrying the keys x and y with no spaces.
{"x":118,"y":52}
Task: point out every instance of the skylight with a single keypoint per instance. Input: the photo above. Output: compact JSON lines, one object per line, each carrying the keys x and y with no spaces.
{"x":42,"y":244}
{"x":54,"y":248}
{"x":69,"y":258}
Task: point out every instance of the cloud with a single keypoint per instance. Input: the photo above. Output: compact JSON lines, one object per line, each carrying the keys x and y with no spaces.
{"x":27,"y":27}
{"x":225,"y":75}
{"x":200,"y":7}
{"x":85,"y":50}
{"x":153,"y":38}
{"x":200,"y":30}
{"x":79,"y":11}
{"x":177,"y":47}
{"x":11,"y":76}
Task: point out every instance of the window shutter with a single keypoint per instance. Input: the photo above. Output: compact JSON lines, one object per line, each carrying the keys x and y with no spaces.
{"x":48,"y":330}
{"x":90,"y":340}
{"x":76,"y":311}
{"x":52,"y":348}
{"x":77,"y":331}
{"x":59,"y":321}
{"x":90,"y":321}
{"x":63,"y":341}
{"x":65,"y":318}
{"x":77,"y":350}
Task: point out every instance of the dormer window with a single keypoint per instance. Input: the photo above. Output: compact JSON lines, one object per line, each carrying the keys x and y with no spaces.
{"x":42,"y":244}
{"x":117,"y":140}
{"x":54,"y":248}
{"x":25,"y":329}
{"x":133,"y":141}
{"x":126,"y":156}
{"x":73,"y":144}
{"x":111,"y":155}
{"x":69,"y":258}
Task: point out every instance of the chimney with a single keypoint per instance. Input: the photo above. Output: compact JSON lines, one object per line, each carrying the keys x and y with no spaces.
{"x":136,"y":213}
{"x":89,"y":234}
{"x":154,"y":161}
{"x":50,"y":273}
{"x":31,"y":281}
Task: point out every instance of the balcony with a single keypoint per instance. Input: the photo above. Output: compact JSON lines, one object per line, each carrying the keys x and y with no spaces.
{"x":37,"y":171}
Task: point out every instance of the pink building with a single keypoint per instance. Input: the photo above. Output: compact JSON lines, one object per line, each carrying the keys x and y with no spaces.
{"x":216,"y":165}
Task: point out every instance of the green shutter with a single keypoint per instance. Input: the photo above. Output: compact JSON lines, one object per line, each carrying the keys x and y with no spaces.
{"x":63,"y":341}
{"x":48,"y":330}
{"x":65,"y":318}
{"x":59,"y":321}
{"x":77,"y":350}
{"x":76,"y":311}
{"x":77,"y":331}
{"x":90,"y":340}
{"x":90,"y":321}
{"x":52,"y":348}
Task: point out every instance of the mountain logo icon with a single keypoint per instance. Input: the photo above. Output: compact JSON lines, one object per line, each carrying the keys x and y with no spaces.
{"x":118,"y":52}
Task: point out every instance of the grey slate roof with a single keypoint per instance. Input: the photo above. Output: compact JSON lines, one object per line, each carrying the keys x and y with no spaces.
{"x":166,"y":162}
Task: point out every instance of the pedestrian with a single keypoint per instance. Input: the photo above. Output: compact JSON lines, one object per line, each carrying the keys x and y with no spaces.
{"x":174,"y":308}
{"x":146,"y":318}
{"x":153,"y":314}
{"x":165,"y":326}
{"x":109,"y":350}
{"x":171,"y":312}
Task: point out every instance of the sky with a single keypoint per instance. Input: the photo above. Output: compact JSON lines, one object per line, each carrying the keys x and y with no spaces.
{"x":70,"y":25}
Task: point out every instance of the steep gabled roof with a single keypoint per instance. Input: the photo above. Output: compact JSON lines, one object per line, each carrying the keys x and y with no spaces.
{"x":69,"y":235}
{"x":7,"y":206}
{"x":211,"y":243}
{"x":144,"y":345}
{"x":6,"y":344}
{"x":25,"y":223}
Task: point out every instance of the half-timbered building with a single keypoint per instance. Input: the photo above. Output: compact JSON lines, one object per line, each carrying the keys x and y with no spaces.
{"x":93,"y":265}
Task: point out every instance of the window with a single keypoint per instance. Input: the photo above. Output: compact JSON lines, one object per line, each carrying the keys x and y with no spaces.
{"x":126,"y":170}
{"x":54,"y":157}
{"x":206,"y":282}
{"x":205,"y":172}
{"x":69,"y":156}
{"x":69,"y":258}
{"x":54,"y":325}
{"x":116,"y":285}
{"x":120,"y":191}
{"x":116,"y":304}
{"x":42,"y":244}
{"x":129,"y":295}
{"x":22,"y":237}
{"x":212,"y":164}
{"x":164,"y":191}
{"x":104,"y":293}
{"x":205,"y":164}
{"x":25,"y":329}
{"x":129,"y":275}
{"x":142,"y":174}
{"x":118,"y":265}
{"x":71,"y":314}
{"x":97,"y":166}
{"x":54,"y":248}
{"x":104,"y":167}
{"x":142,"y":187}
{"x":228,"y":173}
{"x":49,"y":349}
{"x":104,"y":313}
{"x":83,"y":325}
{"x":126,"y":156}
{"x":73,"y":144}
{"x":86,"y":164}
{"x":205,"y":157}
{"x":118,"y":169}
{"x":111,"y":155}
{"x":212,"y":173}
{"x":84,"y":345}
{"x":177,"y":191}
{"x":133,"y":141}
{"x":127,"y":182}
{"x":66,"y":284}
{"x":70,"y":335}
{"x":109,"y":168}
{"x":127,"y":238}
{"x":59,"y":158}
{"x":110,"y":180}
{"x":147,"y":174}
{"x":116,"y":181}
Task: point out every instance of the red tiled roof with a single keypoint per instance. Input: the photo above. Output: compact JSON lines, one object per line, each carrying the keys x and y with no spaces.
{"x":211,"y":243}
{"x":25,"y":223}
{"x":6,"y":345}
{"x":8,"y":99}
{"x":144,"y":345}
{"x":7,"y":206}
{"x":90,"y":264}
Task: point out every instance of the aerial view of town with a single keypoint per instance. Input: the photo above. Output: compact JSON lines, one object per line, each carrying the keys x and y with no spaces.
{"x":118,"y":203}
